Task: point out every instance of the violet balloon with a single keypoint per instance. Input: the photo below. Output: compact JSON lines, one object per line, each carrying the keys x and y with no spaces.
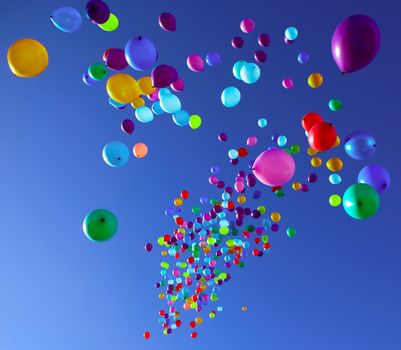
{"x":260,"y":56}
{"x":140,"y":53}
{"x":128,"y":126}
{"x":115,"y":59}
{"x":376,"y":176}
{"x":97,"y":11}
{"x":163,"y":76}
{"x":355,"y":43}
{"x":167,"y":22}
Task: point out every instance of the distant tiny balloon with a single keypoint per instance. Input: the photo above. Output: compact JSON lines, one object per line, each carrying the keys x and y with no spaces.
{"x":260,"y":56}
{"x":247,"y":25}
{"x":303,"y":57}
{"x":264,"y":39}
{"x":213,"y":58}
{"x":195,"y":63}
{"x":167,"y":22}
{"x":237,"y":42}
{"x":128,"y":126}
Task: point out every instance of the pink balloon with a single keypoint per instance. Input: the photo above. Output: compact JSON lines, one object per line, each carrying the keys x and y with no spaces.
{"x":251,"y":141}
{"x":154,"y":96}
{"x":274,"y":167}
{"x":247,"y":25}
{"x":287,"y":83}
{"x":195,"y":63}
{"x":178,"y":85}
{"x":239,"y":186}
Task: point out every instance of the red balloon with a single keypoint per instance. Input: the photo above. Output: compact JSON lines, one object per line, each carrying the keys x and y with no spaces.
{"x":310,"y":119}
{"x":146,"y":335}
{"x":106,"y":53}
{"x":184,"y":194}
{"x":322,"y":136}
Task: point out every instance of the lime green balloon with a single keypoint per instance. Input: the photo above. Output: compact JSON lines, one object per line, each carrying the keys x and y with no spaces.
{"x":291,"y":232}
{"x":361,"y":201}
{"x":195,"y":121}
{"x":97,"y":71}
{"x":335,"y":200}
{"x":335,"y":105}
{"x":100,"y":225}
{"x":111,"y":24}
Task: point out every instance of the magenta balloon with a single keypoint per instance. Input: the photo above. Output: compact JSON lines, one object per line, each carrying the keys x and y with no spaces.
{"x":163,"y":76}
{"x":167,"y":22}
{"x":195,"y":63}
{"x":154,"y":96}
{"x":274,"y":167}
{"x":115,"y":59}
{"x":178,"y":85}
{"x":128,"y":126}
{"x":264,"y":39}
{"x":355,"y":43}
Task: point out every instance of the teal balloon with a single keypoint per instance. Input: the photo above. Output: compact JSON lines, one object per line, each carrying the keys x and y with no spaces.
{"x":250,"y":73}
{"x":164,"y":92}
{"x":181,"y":118}
{"x":262,"y":122}
{"x":67,"y":19}
{"x":282,"y":140}
{"x":335,"y":179}
{"x":115,"y":154}
{"x":230,"y":96}
{"x":100,"y":225}
{"x":291,"y":33}
{"x":156,"y":108}
{"x":361,"y":201}
{"x":237,"y":69}
{"x":170,"y":103}
{"x":144,"y":114}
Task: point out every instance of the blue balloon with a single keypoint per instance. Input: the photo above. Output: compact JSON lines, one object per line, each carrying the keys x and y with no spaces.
{"x":282,"y":140}
{"x":116,"y":104}
{"x":144,"y":114}
{"x":88,"y":80}
{"x":291,"y":33}
{"x":213,"y":58}
{"x":230,"y":96}
{"x":335,"y":179}
{"x":237,"y":69}
{"x":115,"y":154}
{"x":376,"y":176}
{"x":181,"y":118}
{"x":156,"y":108}
{"x":303,"y":57}
{"x":250,"y":73}
{"x":360,"y":145}
{"x":170,"y":103}
{"x":141,"y":53}
{"x":67,"y":19}
{"x":163,"y":92}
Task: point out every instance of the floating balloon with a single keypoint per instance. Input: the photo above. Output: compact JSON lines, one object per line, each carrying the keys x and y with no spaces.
{"x":115,"y":59}
{"x":250,"y":73}
{"x":376,"y":176}
{"x":128,"y":126}
{"x":315,"y":80}
{"x":287,"y":83}
{"x":247,"y":25}
{"x":67,"y":19}
{"x":115,"y":154}
{"x":106,"y":52}
{"x":222,"y":137}
{"x":111,"y":24}
{"x":361,"y":201}
{"x":237,"y":69}
{"x":167,"y":22}
{"x":230,"y":96}
{"x":237,"y":42}
{"x":195,"y":63}
{"x":146,"y":86}
{"x":291,"y":33}
{"x":156,"y":108}
{"x":335,"y":179}
{"x":316,"y":162}
{"x":195,"y":121}
{"x":310,"y":119}
{"x":181,"y":118}
{"x":97,"y":71}
{"x":140,"y":150}
{"x":335,"y":200}
{"x":146,"y":335}
{"x":178,"y":85}
{"x":163,"y":76}
{"x":138,"y":102}
{"x":360,"y":145}
{"x":355,"y":43}
{"x":334,"y":164}
{"x":274,"y":167}
{"x":303,"y":57}
{"x":291,"y":232}
{"x":170,"y":103}
{"x":260,"y":56}
{"x":141,"y":53}
{"x":262,"y":122}
{"x":335,"y":105}
{"x":251,"y":141}
{"x":144,"y":114}
{"x":282,"y":140}
{"x":116,"y":104}
{"x":97,"y":11}
{"x":213,"y":58}
{"x":264,"y":40}
{"x":27,"y":58}
{"x":100,"y":225}
{"x":122,"y":88}
{"x":322,"y":136}
{"x":88,"y":80}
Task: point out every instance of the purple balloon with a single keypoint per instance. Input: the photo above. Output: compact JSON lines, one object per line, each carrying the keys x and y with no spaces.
{"x":237,"y":42}
{"x":260,"y":56}
{"x":128,"y":126}
{"x":213,"y":58}
{"x":376,"y":176}
{"x":88,"y":80}
{"x":140,"y":53}
{"x":264,"y":40}
{"x":312,"y":178}
{"x":355,"y":43}
{"x":115,"y":59}
{"x":163,"y":76}
{"x":167,"y":22}
{"x":97,"y":11}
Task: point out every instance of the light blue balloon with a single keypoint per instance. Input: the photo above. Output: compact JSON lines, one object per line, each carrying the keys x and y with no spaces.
{"x":262,"y":122}
{"x":282,"y":140}
{"x":335,"y":179}
{"x":233,"y":153}
{"x":230,"y":96}
{"x":237,"y":69}
{"x":115,"y":154}
{"x":164,"y":92}
{"x":116,"y":104}
{"x":170,"y":103}
{"x":144,"y":114}
{"x":181,"y":118}
{"x":250,"y":73}
{"x":67,"y":19}
{"x":291,"y":33}
{"x":156,"y":108}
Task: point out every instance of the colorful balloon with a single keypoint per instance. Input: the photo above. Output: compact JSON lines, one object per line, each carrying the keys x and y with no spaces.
{"x":322,"y":136}
{"x":291,"y":33}
{"x":122,"y":88}
{"x":146,"y":85}
{"x":334,"y":164}
{"x":195,"y":63}
{"x":163,"y":76}
{"x":140,"y":150}
{"x":144,"y":114}
{"x":260,"y":56}
{"x":167,"y":22}
{"x":287,"y":83}
{"x":335,"y":104}
{"x":361,"y":201}
{"x":111,"y":24}
{"x":195,"y":121}
{"x":376,"y":176}
{"x":315,"y":80}
{"x":115,"y":59}
{"x":115,"y":154}
{"x":181,"y":118}
{"x":213,"y":58}
{"x":237,"y":69}
{"x":141,"y":53}
{"x":335,"y":200}
{"x":247,"y":25}
{"x":360,"y":145}
{"x":97,"y":71}
{"x":310,"y":119}
{"x":264,"y":40}
{"x":128,"y":126}
{"x":178,"y":85}
{"x":335,"y":179}
{"x":230,"y":96}
{"x":250,"y":73}
{"x":262,"y":122}
{"x":67,"y":19}
{"x":303,"y":57}
{"x":237,"y":42}
{"x":100,"y":225}
{"x":97,"y":11}
{"x":88,"y":80}
{"x":170,"y":103}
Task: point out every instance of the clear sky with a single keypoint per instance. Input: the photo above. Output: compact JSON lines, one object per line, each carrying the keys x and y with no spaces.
{"x":336,"y":285}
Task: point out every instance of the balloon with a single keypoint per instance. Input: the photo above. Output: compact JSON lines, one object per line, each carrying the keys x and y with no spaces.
{"x":100,"y":225}
{"x":335,"y":179}
{"x":167,"y":22}
{"x":146,"y":335}
{"x":312,"y":178}
{"x":310,"y":119}
{"x":334,"y":164}
{"x":141,"y":53}
{"x":97,"y":71}
{"x":260,"y":56}
{"x":282,"y":140}
{"x":128,"y":126}
{"x":105,"y":53}
{"x":144,"y":114}
{"x":291,"y":232}
{"x":178,"y":85}
{"x":111,"y":24}
{"x":262,"y":122}
{"x":287,"y":83}
{"x":116,"y":104}
{"x":27,"y":58}
{"x":213,"y":58}
{"x":87,"y":79}
{"x":288,"y":41}
{"x":181,"y":118}
{"x":360,"y":145}
{"x":322,"y":136}
{"x":163,"y":76}
{"x":115,"y":154}
{"x":376,"y":176}
{"x":97,"y":11}
{"x":148,"y":247}
{"x":316,"y":162}
{"x":315,"y":80}
{"x":195,"y":63}
{"x":274,"y":167}
{"x":195,"y":121}
{"x":291,"y":33}
{"x":170,"y":103}
{"x":115,"y":59}
{"x":145,"y":85}
{"x":247,"y":25}
{"x":264,"y":40}
{"x":251,"y":141}
{"x":122,"y":88}
{"x":335,"y":105}
{"x":164,"y":92}
{"x":138,"y":102}
{"x":140,"y":150}
{"x":230,"y":96}
{"x":355,"y":43}
{"x":361,"y":201}
{"x":156,"y":108}
{"x":237,"y":69}
{"x":303,"y":57}
{"x":335,"y":200}
{"x":237,"y":42}
{"x":67,"y":19}
{"x":222,"y":137}
{"x":250,"y":73}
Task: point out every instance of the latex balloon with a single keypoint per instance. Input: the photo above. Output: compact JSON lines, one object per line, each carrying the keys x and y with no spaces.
{"x":361,"y":201}
{"x":115,"y":59}
{"x":100,"y":225}
{"x":181,"y":118}
{"x":303,"y":57}
{"x":264,"y":40}
{"x":355,"y":43}
{"x":97,"y":11}
{"x":140,"y":150}
{"x":178,"y":85}
{"x":262,"y":122}
{"x":97,"y":71}
{"x":27,"y":58}
{"x":122,"y":88}
{"x":115,"y":154}
{"x":105,"y":53}
{"x":111,"y":24}
{"x":335,"y":179}
{"x":138,"y":102}
{"x":335,"y":105}
{"x":322,"y":136}
{"x":237,"y":69}
{"x":128,"y":126}
{"x":116,"y":104}
{"x":335,"y":200}
{"x":260,"y":56}
{"x":274,"y":167}
{"x":156,"y":108}
{"x":163,"y":76}
{"x":213,"y":58}
{"x":334,"y":164}
{"x":291,"y":33}
{"x":237,"y":42}
{"x":315,"y":80}
{"x":310,"y":119}
{"x":170,"y":103}
{"x":146,"y":86}
{"x":250,"y":73}
{"x":195,"y":63}
{"x":376,"y":176}
{"x":230,"y":96}
{"x":195,"y":121}
{"x":167,"y":22}
{"x":144,"y":114}
{"x":247,"y":25}
{"x":88,"y":80}
{"x":360,"y":145}
{"x":141,"y":53}
{"x":287,"y":83}
{"x":67,"y":19}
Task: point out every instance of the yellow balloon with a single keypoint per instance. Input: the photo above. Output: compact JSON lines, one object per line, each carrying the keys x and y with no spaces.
{"x":296,"y":186}
{"x":316,"y":162}
{"x":275,"y":216}
{"x":338,"y":141}
{"x":122,"y":88}
{"x":27,"y":58}
{"x":334,"y":164}
{"x":138,"y":102}
{"x":145,"y":85}
{"x":241,"y":199}
{"x":311,"y":151}
{"x":315,"y":80}
{"x":111,"y":24}
{"x":178,"y":202}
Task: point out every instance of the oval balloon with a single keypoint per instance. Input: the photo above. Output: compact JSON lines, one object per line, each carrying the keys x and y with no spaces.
{"x":264,"y":40}
{"x":97,"y":71}
{"x":250,"y":73}
{"x":237,"y":69}
{"x":181,"y":118}
{"x":122,"y":88}
{"x":310,"y":119}
{"x":322,"y":136}
{"x":97,"y":11}
{"x":67,"y":19}
{"x":195,"y":63}
{"x":376,"y":176}
{"x":128,"y":126}
{"x":146,"y":86}
{"x":100,"y":225}
{"x":144,"y":114}
{"x":141,"y":53}
{"x":230,"y":96}
{"x":163,"y":76}
{"x":111,"y":24}
{"x":167,"y":22}
{"x":115,"y":154}
{"x":178,"y":85}
{"x":170,"y":103}
{"x":115,"y":59}
{"x":360,"y":145}
{"x":140,"y":150}
{"x":361,"y":201}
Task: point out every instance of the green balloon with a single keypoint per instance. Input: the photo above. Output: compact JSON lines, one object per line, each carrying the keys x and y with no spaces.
{"x":360,"y":201}
{"x":97,"y":71}
{"x":100,"y":225}
{"x":291,"y":232}
{"x":335,"y":105}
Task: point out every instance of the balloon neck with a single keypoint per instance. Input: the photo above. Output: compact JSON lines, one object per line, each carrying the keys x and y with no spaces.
{"x":343,"y":73}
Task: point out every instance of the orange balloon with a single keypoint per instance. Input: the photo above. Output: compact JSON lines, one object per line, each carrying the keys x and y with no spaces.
{"x":140,"y":150}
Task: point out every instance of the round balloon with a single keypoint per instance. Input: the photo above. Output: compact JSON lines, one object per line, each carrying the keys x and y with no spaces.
{"x":97,"y":71}
{"x":376,"y":176}
{"x":361,"y":201}
{"x":67,"y":19}
{"x":247,"y":25}
{"x":122,"y":88}
{"x":163,"y":76}
{"x":195,"y":63}
{"x":141,"y":53}
{"x":128,"y":126}
{"x":250,"y":73}
{"x":260,"y":56}
{"x":213,"y":58}
{"x":264,"y":40}
{"x":144,"y":114}
{"x":178,"y":85}
{"x":230,"y":96}
{"x":167,"y":22}
{"x":111,"y":24}
{"x":237,"y":42}
{"x":237,"y":69}
{"x":322,"y":136}
{"x":335,"y":104}
{"x":181,"y":118}
{"x":100,"y":225}
{"x":310,"y":119}
{"x":97,"y":11}
{"x":140,"y":150}
{"x":360,"y":145}
{"x":115,"y":154}
{"x":303,"y":57}
{"x":195,"y":121}
{"x":315,"y":80}
{"x":115,"y":59}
